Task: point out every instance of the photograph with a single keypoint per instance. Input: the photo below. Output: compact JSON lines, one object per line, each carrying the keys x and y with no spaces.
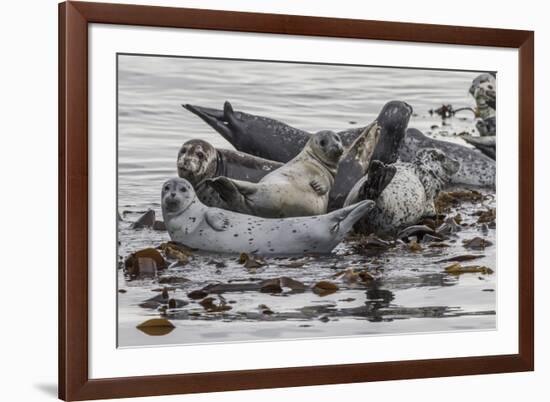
{"x":268,"y":200}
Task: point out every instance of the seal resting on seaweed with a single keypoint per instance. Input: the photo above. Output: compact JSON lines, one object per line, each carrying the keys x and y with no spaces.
{"x":195,"y":225}
{"x":408,"y":197}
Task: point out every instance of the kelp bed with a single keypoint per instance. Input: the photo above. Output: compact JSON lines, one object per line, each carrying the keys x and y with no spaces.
{"x":425,"y":280}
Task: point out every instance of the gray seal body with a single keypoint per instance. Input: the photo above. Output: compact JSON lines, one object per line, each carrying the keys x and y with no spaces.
{"x":195,"y":225}
{"x":268,"y":138}
{"x":410,"y":194}
{"x":475,"y":170}
{"x":299,"y":188}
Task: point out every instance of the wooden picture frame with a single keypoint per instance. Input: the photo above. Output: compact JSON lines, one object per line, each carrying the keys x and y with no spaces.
{"x":74,"y":381}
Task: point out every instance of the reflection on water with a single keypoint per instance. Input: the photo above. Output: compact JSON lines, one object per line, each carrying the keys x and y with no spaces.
{"x":410,"y":293}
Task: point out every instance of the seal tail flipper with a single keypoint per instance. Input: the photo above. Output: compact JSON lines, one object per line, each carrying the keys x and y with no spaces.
{"x":213,"y":117}
{"x":345,"y":218}
{"x":379,"y":175}
{"x":231,"y":191}
{"x":229,"y":114}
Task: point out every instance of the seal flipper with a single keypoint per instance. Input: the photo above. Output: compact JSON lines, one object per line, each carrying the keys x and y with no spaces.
{"x":229,"y":115}
{"x":216,"y":219}
{"x":231,"y":190}
{"x":318,"y":187}
{"x":379,"y":176}
{"x":214,"y":118}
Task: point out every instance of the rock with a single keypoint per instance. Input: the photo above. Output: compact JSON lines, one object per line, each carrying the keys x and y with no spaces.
{"x":197,"y":294}
{"x":324,"y":288}
{"x":156,"y":327}
{"x":457,"y":269}
{"x":143,"y":263}
{"x":477,"y":243}
{"x":147,"y":220}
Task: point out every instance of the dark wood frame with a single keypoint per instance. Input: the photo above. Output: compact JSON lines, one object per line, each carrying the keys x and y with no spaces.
{"x":74,"y":17}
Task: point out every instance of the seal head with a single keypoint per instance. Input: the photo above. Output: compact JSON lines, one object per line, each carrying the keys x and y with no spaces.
{"x":177,"y":196}
{"x":434,"y":168}
{"x":326,"y":146}
{"x":197,"y":160}
{"x":392,"y":121}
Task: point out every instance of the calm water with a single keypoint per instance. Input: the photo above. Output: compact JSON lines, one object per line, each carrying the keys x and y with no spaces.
{"x":410,"y":294}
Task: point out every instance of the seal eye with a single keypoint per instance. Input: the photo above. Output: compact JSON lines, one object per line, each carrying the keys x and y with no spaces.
{"x":200,"y":155}
{"x":183,"y":189}
{"x":323,"y":143}
{"x":166,"y":188}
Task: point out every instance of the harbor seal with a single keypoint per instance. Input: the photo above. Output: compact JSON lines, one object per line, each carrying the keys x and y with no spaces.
{"x":195,"y":225}
{"x":256,"y":135}
{"x":379,"y":141}
{"x":408,"y":197}
{"x":198,"y":160}
{"x":476,"y":169}
{"x":483,"y":90}
{"x":266,"y":137}
{"x":299,"y":188}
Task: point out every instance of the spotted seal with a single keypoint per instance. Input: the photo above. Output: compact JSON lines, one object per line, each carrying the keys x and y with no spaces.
{"x":272,"y":139}
{"x":379,"y":141}
{"x":199,"y":160}
{"x":299,"y":188}
{"x":476,"y":169}
{"x":195,"y":225}
{"x":409,"y":195}
{"x":268,"y":138}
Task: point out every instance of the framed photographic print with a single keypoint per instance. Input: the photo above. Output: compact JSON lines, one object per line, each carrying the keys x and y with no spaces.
{"x":258,"y":200}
